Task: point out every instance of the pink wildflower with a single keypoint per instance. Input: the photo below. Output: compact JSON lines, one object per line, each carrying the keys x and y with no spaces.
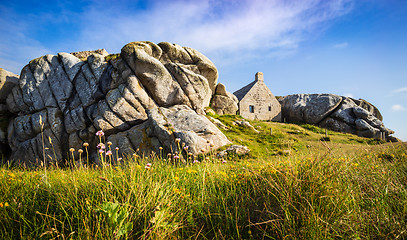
{"x":100,"y":133}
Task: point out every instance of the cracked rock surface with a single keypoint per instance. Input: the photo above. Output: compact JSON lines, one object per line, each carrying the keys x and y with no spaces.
{"x":342,"y":114}
{"x":143,"y":99}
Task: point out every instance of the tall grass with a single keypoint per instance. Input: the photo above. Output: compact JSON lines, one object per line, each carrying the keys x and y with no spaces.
{"x":313,"y":192}
{"x":303,"y":196}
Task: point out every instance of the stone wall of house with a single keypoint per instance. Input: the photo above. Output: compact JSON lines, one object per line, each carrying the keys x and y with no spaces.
{"x":259,"y":103}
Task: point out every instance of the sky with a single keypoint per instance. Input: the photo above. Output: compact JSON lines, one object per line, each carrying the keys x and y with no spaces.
{"x":355,"y":48}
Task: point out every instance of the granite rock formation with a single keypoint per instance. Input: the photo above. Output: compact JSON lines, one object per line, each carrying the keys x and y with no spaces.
{"x":8,"y":81}
{"x":145,"y":98}
{"x":343,"y":114}
{"x":224,"y":102}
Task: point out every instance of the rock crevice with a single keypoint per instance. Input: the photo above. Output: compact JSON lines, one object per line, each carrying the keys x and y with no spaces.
{"x":144,"y":99}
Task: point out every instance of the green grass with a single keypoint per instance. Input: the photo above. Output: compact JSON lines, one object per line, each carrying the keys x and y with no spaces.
{"x":291,"y":186}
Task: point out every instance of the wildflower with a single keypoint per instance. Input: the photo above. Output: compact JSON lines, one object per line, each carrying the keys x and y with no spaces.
{"x":100,"y":133}
{"x":6,"y":204}
{"x":117,"y":148}
{"x":161,"y":148}
{"x":119,"y":159}
{"x":176,"y":178}
{"x":109,"y":153}
{"x":134,"y":155}
{"x":1,"y":205}
{"x":147,"y":167}
{"x":85,"y":144}
{"x":176,"y":157}
{"x":80,"y":151}
{"x":149,"y":164}
{"x":196,"y":161}
{"x":109,"y":143}
{"x":72,"y":150}
{"x":224,"y":161}
{"x":100,"y":151}
{"x":177,"y":140}
{"x":186,"y":148}
{"x":176,"y":190}
{"x":101,"y":146}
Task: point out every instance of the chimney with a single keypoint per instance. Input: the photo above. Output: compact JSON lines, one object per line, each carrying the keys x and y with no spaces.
{"x":259,"y":76}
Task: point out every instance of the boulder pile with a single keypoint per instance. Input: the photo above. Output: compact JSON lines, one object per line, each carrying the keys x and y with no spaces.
{"x":342,"y":114}
{"x":145,"y":98}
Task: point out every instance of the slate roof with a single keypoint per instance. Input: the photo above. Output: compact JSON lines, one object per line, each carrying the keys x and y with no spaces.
{"x":244,"y":90}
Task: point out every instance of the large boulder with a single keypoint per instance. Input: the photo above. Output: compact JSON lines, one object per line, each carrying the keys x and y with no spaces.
{"x":337,"y":113}
{"x":309,"y":108}
{"x":8,"y":81}
{"x":145,"y":99}
{"x":224,"y":102}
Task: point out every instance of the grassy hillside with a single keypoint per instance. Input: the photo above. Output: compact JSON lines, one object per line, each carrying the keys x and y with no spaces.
{"x":291,"y":186}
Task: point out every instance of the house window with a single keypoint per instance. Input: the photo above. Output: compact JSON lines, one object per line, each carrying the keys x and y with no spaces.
{"x":269,"y":108}
{"x":251,"y":108}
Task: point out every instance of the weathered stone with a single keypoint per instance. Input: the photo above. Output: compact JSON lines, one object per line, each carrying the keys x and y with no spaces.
{"x":140,"y":57}
{"x":337,"y":126}
{"x":369,"y":107}
{"x":246,"y":124}
{"x":83,"y":55}
{"x":257,"y":102}
{"x":224,"y":105}
{"x":195,"y":130}
{"x":308,"y":108}
{"x":42,"y":84}
{"x":333,"y":112}
{"x":194,"y":86}
{"x":143,"y":101}
{"x":221,"y":90}
{"x":345,"y":112}
{"x":234,"y":150}
{"x":206,"y":68}
{"x":71,"y":64}
{"x":218,"y":123}
{"x":8,"y":80}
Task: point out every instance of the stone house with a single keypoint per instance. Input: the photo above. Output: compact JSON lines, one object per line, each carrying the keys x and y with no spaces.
{"x":256,"y":102}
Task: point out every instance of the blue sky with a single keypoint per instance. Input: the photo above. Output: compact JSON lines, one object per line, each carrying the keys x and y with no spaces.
{"x":346,"y":47}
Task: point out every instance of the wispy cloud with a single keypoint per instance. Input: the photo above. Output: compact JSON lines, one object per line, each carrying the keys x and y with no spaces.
{"x":341,"y":45}
{"x":400,"y":90}
{"x":398,"y":108}
{"x":213,"y":27}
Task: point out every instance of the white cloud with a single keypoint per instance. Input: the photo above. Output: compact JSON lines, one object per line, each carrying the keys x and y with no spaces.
{"x":400,"y":90}
{"x":398,"y":108}
{"x":341,"y":45}
{"x":227,"y":30}
{"x":212,"y":26}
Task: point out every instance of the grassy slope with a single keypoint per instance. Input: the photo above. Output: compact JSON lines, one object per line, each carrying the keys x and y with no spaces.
{"x":291,"y":185}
